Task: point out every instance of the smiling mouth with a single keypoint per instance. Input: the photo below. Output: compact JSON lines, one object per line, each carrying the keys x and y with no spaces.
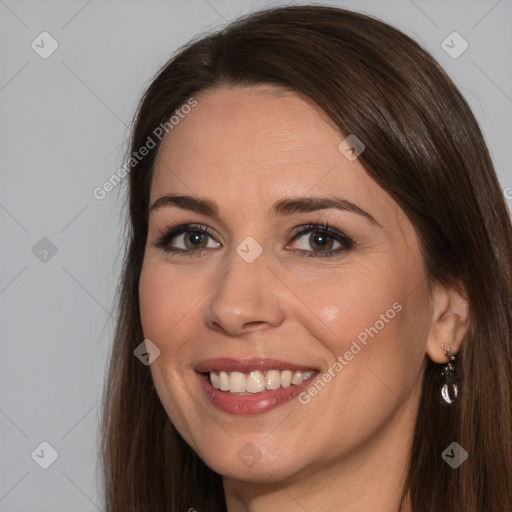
{"x":254,"y":382}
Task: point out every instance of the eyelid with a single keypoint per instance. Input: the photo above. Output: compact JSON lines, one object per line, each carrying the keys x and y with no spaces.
{"x":176,"y":229}
{"x":318,"y":226}
{"x":324,"y":227}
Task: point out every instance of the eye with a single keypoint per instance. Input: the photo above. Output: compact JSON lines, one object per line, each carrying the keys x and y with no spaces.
{"x":187,"y":239}
{"x":323,"y":239}
{"x":193,"y":240}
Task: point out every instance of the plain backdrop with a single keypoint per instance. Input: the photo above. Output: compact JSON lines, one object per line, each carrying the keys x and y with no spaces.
{"x":64,"y":121}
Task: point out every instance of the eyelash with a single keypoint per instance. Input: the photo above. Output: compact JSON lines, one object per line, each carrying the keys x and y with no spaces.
{"x":167,"y":236}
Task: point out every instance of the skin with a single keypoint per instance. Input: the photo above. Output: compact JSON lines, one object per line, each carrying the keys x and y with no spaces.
{"x":246,"y":148}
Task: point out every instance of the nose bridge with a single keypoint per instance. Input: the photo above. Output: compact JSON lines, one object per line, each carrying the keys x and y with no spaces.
{"x":246,"y":292}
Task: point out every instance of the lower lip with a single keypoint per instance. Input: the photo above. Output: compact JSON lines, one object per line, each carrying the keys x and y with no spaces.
{"x":250,"y":404}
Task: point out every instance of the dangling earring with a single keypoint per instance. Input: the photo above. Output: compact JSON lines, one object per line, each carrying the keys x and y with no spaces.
{"x":450,"y":388}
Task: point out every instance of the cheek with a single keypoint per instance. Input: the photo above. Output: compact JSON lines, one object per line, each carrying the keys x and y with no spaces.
{"x":343,"y":308}
{"x":152,"y":299}
{"x":165,"y":302}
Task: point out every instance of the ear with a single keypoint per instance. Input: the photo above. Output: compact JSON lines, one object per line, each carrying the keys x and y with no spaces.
{"x":450,"y":322}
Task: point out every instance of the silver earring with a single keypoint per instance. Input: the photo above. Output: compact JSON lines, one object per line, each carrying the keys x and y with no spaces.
{"x":450,"y":388}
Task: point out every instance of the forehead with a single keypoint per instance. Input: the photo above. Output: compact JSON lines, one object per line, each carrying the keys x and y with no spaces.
{"x":244,"y":124}
{"x":259,"y":144}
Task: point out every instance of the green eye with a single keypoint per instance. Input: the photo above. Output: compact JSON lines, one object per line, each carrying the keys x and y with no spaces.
{"x":194,"y":240}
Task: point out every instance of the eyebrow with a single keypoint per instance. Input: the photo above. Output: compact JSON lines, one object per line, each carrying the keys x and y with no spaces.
{"x":282,"y":207}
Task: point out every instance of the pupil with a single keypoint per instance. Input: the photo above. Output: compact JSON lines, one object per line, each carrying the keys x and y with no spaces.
{"x":320,"y":240}
{"x":194,"y":239}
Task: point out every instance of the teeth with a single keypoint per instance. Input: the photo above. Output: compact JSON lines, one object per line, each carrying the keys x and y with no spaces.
{"x":223,"y":381}
{"x":297,"y":378}
{"x":273,"y":379}
{"x":215,"y":380}
{"x":237,"y":382}
{"x":286,"y":378}
{"x":256,"y":382}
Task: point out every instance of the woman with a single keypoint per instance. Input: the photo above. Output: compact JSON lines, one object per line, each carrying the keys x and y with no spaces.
{"x":319,"y":263}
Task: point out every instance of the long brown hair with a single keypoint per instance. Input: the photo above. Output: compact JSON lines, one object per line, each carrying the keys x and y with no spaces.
{"x":425,"y":148}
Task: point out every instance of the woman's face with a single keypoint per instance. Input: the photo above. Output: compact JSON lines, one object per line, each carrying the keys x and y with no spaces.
{"x":256,"y":296}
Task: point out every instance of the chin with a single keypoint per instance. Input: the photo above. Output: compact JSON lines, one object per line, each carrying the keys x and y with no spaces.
{"x":253,"y":462}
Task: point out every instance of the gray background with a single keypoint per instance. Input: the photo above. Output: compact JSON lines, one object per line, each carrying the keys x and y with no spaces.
{"x":63,"y":130}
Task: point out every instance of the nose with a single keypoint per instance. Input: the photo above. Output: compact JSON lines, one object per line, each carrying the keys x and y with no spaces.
{"x":245,"y":298}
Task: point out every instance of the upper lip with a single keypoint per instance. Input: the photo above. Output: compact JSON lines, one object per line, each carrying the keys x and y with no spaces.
{"x":247,"y":365}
